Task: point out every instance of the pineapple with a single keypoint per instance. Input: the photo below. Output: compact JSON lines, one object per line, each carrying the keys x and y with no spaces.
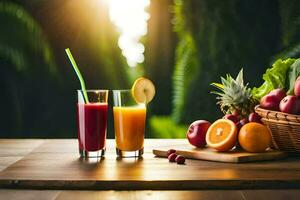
{"x":235,"y":96}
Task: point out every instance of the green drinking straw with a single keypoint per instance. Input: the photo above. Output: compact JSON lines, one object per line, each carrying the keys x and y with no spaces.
{"x":78,"y":74}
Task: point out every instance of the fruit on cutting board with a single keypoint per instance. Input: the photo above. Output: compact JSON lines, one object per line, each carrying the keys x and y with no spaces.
{"x":290,"y":104}
{"x":196,"y":133}
{"x":254,"y":137}
{"x":170,"y":151}
{"x":297,"y":87}
{"x":222,"y":135}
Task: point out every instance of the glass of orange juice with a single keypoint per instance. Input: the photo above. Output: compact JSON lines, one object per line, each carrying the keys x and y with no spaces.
{"x":129,"y":124}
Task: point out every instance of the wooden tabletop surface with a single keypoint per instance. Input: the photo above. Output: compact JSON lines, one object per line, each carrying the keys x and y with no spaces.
{"x":55,"y":164}
{"x":58,"y":161}
{"x":9,"y":194}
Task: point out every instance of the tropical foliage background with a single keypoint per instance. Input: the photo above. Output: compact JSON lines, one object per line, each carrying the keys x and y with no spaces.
{"x":189,"y":44}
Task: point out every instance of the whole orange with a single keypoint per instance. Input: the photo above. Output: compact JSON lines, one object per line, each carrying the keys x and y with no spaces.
{"x":254,"y":137}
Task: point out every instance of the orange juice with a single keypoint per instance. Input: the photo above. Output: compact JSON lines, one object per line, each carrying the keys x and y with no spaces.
{"x":129,"y":127}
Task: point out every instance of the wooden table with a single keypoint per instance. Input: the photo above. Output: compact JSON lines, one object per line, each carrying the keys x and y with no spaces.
{"x":53,"y":167}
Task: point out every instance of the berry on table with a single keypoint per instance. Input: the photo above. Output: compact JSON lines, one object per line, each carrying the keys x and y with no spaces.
{"x":172,"y":157}
{"x":180,"y":159}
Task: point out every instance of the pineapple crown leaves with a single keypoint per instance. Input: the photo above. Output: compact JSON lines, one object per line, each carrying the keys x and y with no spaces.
{"x":233,"y":94}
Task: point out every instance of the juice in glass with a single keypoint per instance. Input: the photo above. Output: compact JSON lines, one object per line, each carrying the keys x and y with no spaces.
{"x":129,"y":127}
{"x":92,"y":123}
{"x":129,"y":124}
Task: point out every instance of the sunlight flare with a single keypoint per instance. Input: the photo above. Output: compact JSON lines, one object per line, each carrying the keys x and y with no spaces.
{"x":130,"y":17}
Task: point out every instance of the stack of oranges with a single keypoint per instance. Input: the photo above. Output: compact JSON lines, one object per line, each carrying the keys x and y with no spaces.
{"x":223,"y":135}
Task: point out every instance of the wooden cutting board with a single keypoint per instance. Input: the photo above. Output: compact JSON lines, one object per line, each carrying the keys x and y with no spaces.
{"x":212,"y":155}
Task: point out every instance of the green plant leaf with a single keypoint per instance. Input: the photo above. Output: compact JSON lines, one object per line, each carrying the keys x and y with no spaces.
{"x":240,"y":79}
{"x":18,"y":47}
{"x":164,"y":127}
{"x":293,"y":73}
{"x":275,"y":77}
{"x":218,"y":85}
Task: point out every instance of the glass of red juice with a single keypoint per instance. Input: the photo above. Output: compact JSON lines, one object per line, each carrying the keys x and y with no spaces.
{"x":92,"y":122}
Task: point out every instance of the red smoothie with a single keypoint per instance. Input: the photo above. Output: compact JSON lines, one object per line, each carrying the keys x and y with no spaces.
{"x":92,"y":126}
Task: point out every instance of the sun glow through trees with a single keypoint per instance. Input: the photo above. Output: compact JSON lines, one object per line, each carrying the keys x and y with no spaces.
{"x":130,"y":18}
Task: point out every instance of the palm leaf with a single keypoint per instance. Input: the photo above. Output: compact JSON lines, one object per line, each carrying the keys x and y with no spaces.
{"x":178,"y":82}
{"x":21,"y":38}
{"x":23,"y":48}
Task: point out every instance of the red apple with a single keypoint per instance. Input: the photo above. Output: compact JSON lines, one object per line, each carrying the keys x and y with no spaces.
{"x":232,"y":117}
{"x":197,"y":132}
{"x":270,"y":102}
{"x":279,"y":93}
{"x":290,"y":104}
{"x":297,"y":87}
{"x":254,"y":117}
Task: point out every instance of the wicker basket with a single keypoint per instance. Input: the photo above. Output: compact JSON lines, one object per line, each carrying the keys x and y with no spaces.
{"x":285,"y":129}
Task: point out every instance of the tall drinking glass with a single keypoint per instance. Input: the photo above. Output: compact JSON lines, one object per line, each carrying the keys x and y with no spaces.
{"x":129,"y":124}
{"x":92,"y":122}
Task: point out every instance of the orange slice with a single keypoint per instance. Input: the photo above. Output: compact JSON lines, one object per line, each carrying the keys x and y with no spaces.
{"x":222,"y":135}
{"x":143,"y":90}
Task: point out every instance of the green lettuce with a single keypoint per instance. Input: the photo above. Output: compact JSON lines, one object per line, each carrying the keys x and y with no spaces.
{"x":276,"y":77}
{"x":293,"y":73}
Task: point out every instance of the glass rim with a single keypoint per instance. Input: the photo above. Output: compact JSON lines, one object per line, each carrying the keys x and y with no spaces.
{"x":123,"y":90}
{"x":94,"y":90}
